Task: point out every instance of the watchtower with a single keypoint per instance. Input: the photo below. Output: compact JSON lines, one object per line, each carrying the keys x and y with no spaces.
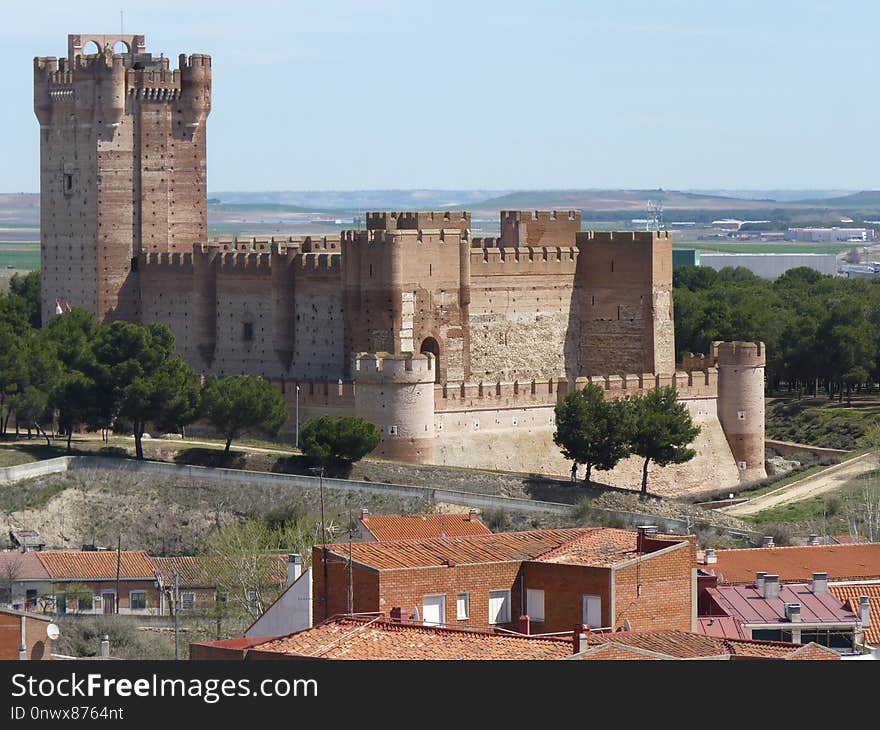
{"x":122,"y":167}
{"x":741,"y":403}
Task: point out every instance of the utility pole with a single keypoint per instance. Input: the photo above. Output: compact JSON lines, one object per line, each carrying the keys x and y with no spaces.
{"x":320,"y":471}
{"x":177,"y":616}
{"x":118,"y":567}
{"x":297,"y":417}
{"x":350,"y":579}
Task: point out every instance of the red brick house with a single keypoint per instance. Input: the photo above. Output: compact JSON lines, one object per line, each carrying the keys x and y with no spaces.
{"x":20,"y":629}
{"x":599,"y":577}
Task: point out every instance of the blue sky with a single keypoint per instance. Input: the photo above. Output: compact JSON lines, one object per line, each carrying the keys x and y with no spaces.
{"x":338,"y":94}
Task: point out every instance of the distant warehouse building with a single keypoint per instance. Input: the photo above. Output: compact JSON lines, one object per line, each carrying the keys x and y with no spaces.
{"x":831,"y":235}
{"x":771,"y":265}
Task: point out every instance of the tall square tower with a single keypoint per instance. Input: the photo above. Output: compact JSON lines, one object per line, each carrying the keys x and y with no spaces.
{"x":122,"y":167}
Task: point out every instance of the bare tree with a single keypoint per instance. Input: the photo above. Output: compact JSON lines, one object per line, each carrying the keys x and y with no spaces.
{"x":10,"y":572}
{"x":863,"y":514}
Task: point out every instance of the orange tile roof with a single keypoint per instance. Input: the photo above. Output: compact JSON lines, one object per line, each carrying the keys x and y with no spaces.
{"x":192,"y":576}
{"x":348,"y":637}
{"x":22,"y":566}
{"x":601,"y":548}
{"x":687,"y":645}
{"x":491,"y":548}
{"x":797,"y":564}
{"x":588,"y":546}
{"x":851,"y":594}
{"x":420,"y":527}
{"x":96,"y":564}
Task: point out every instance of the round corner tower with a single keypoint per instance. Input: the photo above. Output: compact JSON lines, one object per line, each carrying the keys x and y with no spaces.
{"x":396,"y":392}
{"x":741,"y":403}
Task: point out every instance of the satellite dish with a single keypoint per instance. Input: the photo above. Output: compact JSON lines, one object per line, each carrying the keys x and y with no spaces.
{"x":53,"y":632}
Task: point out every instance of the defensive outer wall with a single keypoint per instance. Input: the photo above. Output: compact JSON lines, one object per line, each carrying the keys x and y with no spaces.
{"x":457,"y":347}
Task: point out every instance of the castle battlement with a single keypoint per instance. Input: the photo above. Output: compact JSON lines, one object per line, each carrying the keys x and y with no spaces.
{"x":397,"y":236}
{"x":411,"y":219}
{"x":318,"y":393}
{"x":523,"y":260}
{"x":585,"y":238}
{"x":525,"y":394}
{"x":375,"y":367}
{"x":739,"y":354}
{"x":166,"y":260}
{"x":540,"y":215}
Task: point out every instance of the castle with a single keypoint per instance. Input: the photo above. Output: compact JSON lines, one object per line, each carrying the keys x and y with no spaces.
{"x":457,"y":347}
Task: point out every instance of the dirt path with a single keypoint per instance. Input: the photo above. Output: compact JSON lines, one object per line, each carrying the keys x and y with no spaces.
{"x":825,"y":481}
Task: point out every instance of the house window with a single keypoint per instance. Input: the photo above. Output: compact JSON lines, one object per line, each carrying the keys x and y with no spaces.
{"x":86,"y":603}
{"x":592,"y":613}
{"x":247,"y":333}
{"x":434,"y":610}
{"x":61,"y":604}
{"x":30,"y":597}
{"x":137,"y":600}
{"x":535,"y":604}
{"x":462,"y":606}
{"x":499,"y":607}
{"x":188,"y":601}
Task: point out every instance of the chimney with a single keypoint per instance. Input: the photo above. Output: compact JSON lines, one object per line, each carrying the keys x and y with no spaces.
{"x":364,"y":512}
{"x":759,"y":581}
{"x":525,"y":625}
{"x":865,"y":611}
{"x":793,"y":612}
{"x":709,"y":557}
{"x":771,"y":587}
{"x":397,"y":614}
{"x":644,"y":531}
{"x":294,"y":567}
{"x":472,"y":514}
{"x":813,"y":539}
{"x":768,"y":541}
{"x":105,"y":646}
{"x":579,"y":638}
{"x":820,"y":583}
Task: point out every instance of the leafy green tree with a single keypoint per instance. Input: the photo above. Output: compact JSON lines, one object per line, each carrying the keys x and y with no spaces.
{"x":236,"y":404}
{"x":330,"y":440}
{"x":27,"y":289}
{"x":589,"y":429}
{"x":31,"y":408}
{"x":659,"y":429}
{"x":140,"y":379}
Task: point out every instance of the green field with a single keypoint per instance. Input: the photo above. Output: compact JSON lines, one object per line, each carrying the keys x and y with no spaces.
{"x":20,"y":256}
{"x":712,"y":247}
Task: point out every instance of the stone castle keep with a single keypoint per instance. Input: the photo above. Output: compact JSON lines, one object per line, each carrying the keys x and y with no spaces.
{"x":457,"y":347}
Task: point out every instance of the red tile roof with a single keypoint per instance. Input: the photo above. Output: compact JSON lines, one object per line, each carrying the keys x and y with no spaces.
{"x":194,"y":575}
{"x":749,"y":607}
{"x":850,"y":594}
{"x":686,"y":645}
{"x":797,"y":564}
{"x":501,"y":547}
{"x":602,"y":548}
{"x":96,"y":564}
{"x":723,"y":627}
{"x":348,"y":637}
{"x":420,"y":527}
{"x":592,"y":546}
{"x":22,"y":566}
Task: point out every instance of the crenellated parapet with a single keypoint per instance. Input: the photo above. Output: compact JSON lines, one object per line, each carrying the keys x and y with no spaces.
{"x":415,"y":220}
{"x":385,"y":367}
{"x":539,"y":227}
{"x":524,"y":260}
{"x":739,"y":354}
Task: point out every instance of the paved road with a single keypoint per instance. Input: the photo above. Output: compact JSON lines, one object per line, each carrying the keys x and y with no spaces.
{"x":826,"y":480}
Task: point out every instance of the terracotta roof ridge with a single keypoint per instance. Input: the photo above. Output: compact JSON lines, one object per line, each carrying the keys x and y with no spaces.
{"x":459,"y":538}
{"x":586,"y":532}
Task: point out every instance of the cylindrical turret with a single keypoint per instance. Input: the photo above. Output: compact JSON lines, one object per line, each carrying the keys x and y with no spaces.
{"x":111,"y":91}
{"x":396,"y":392}
{"x":43,"y":67}
{"x":741,"y":403}
{"x":195,"y":88}
{"x":84,"y":90}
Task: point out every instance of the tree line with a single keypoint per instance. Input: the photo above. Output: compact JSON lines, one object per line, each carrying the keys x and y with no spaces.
{"x":599,"y":433}
{"x":822,"y":332}
{"x":78,"y":372}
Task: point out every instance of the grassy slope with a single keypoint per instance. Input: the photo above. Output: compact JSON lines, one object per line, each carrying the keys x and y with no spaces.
{"x":820,"y":421}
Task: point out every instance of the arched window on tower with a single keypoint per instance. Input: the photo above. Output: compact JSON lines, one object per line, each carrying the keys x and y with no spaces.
{"x":429,"y":344}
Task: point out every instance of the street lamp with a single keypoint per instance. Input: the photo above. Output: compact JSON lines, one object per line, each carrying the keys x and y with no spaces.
{"x":319,"y":470}
{"x":297,"y":416}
